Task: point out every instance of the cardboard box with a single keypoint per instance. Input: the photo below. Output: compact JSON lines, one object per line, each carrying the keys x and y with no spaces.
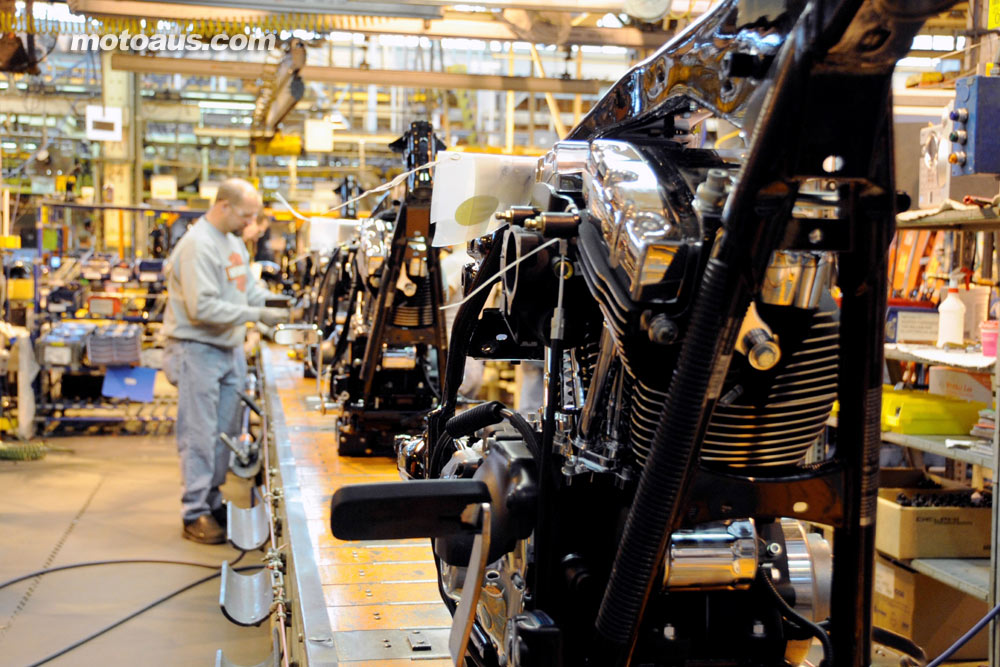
{"x":912,"y":478}
{"x":927,"y":611}
{"x":927,"y":532}
{"x":960,"y":383}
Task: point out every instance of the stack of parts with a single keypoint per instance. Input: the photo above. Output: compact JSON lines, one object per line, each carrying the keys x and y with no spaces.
{"x":63,"y":346}
{"x":986,"y":425}
{"x":115,"y":345}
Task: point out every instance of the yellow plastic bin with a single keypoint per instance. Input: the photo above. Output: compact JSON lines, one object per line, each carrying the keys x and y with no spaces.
{"x":919,"y":413}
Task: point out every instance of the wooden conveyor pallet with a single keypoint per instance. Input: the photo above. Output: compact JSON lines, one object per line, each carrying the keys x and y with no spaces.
{"x":357,"y":603}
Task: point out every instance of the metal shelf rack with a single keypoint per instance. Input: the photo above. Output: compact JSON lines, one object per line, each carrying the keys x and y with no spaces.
{"x":976,"y":576}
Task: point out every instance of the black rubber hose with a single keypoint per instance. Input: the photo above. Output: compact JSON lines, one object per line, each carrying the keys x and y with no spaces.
{"x":673,"y":451}
{"x":315,"y":311}
{"x":252,"y":404}
{"x":353,"y":289}
{"x":436,"y":459}
{"x":524,"y":429}
{"x":465,"y":322}
{"x":491,"y":413}
{"x":317,"y":305}
{"x":899,"y":643}
{"x":764,"y":576}
{"x":473,"y":419}
{"x":335,"y":294}
{"x":458,"y":345}
{"x":481,"y":416}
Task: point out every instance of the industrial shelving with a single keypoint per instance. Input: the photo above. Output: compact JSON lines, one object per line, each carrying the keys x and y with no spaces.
{"x":976,"y":576}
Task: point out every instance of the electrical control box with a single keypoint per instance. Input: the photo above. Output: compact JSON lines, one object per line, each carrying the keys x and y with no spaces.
{"x":936,"y":183}
{"x":975,"y":142}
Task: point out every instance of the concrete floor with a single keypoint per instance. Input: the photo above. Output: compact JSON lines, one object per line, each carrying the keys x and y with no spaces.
{"x":110,"y":498}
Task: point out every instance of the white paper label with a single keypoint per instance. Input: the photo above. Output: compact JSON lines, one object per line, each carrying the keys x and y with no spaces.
{"x":103,"y":123}
{"x":885,"y":580}
{"x":469,"y":188}
{"x":57,"y":355}
{"x":101,"y":307}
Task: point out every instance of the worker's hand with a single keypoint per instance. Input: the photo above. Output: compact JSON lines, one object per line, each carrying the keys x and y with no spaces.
{"x":273,"y":316}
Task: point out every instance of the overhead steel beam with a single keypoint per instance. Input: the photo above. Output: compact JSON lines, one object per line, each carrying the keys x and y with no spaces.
{"x":338,"y":136}
{"x":495,"y":30}
{"x":424,"y":11}
{"x":191,"y":66}
{"x":378,"y":77}
{"x":51,"y":105}
{"x":451,"y":27}
{"x":454,"y":81}
{"x":420,"y":8}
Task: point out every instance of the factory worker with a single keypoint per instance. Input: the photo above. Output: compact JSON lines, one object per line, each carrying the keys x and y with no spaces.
{"x":211,"y":297}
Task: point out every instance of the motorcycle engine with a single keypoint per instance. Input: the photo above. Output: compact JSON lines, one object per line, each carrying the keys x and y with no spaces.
{"x":644,"y":218}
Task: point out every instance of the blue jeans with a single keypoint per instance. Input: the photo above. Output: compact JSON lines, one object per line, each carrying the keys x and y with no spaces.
{"x":208,"y":381}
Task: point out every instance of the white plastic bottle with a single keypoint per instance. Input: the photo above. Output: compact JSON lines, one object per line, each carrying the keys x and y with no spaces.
{"x":951,"y":317}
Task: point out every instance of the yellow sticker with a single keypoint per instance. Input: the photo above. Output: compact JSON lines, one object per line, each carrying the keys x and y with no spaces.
{"x":993,"y":20}
{"x":476,"y":210}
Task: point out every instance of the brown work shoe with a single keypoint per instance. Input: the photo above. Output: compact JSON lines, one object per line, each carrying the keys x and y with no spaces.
{"x":204,"y":530}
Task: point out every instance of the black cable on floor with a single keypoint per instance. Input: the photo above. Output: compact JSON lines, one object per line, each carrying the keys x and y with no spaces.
{"x":149,"y":606}
{"x":38,"y":573}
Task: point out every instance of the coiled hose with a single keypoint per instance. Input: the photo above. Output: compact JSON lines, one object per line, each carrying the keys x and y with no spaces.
{"x":673,"y":450}
{"x":22,"y":451}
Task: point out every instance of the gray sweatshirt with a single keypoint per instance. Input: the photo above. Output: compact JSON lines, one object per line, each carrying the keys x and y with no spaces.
{"x":211,"y":293}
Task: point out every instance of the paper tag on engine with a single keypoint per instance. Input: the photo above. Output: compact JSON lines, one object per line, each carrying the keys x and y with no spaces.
{"x":470,"y":188}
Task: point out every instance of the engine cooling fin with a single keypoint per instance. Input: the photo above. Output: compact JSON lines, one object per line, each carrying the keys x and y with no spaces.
{"x":417,"y":311}
{"x":779,"y":429}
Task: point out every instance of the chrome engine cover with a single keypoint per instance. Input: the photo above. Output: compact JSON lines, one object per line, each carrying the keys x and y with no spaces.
{"x":375,"y":241}
{"x":642,"y":231}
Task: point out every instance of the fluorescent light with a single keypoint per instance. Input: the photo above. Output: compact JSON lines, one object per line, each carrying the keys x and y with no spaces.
{"x":9,"y":145}
{"x":235,"y":106}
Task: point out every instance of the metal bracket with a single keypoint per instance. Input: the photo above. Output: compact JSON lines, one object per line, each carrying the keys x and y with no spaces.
{"x":465,"y":614}
{"x":418,"y":641}
{"x":244,"y":463}
{"x":272,"y":660}
{"x":324,"y":405}
{"x":371,"y":646}
{"x":222,"y":661}
{"x":246,"y":599}
{"x":247,"y":529}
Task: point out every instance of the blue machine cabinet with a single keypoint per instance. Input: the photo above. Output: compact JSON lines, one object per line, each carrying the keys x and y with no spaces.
{"x":975,"y":141}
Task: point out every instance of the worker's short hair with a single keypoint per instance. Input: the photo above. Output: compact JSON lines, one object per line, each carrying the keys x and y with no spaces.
{"x":233,"y":190}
